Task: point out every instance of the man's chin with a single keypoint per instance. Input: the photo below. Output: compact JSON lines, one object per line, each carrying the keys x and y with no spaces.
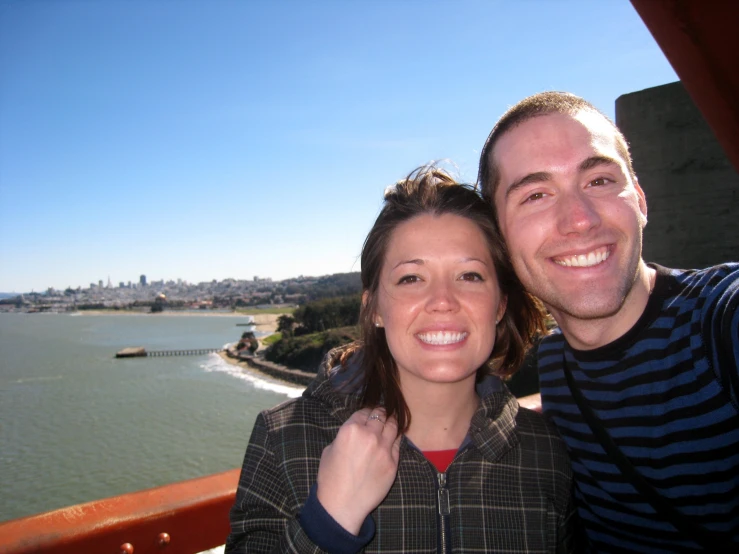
{"x":584,"y":310}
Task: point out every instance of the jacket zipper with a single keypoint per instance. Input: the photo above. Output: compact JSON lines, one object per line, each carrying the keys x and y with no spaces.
{"x":443,"y":498}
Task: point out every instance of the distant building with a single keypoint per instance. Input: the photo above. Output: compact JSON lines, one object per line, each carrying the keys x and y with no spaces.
{"x":142,"y":280}
{"x":100,"y":284}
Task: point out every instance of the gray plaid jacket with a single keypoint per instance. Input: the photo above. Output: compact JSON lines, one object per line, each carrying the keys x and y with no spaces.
{"x":509,"y":489}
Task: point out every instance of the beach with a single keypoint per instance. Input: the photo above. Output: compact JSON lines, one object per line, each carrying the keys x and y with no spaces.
{"x":259,"y":318}
{"x":266,"y":323}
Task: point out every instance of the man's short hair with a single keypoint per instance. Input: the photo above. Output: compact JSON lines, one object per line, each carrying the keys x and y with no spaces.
{"x":543,"y":103}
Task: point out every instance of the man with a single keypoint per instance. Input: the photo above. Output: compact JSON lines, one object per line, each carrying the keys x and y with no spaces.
{"x":641,"y":378}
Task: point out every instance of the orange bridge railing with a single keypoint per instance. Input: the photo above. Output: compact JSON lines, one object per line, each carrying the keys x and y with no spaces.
{"x":181,"y":518}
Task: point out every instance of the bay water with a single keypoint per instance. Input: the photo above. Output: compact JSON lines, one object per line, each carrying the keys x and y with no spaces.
{"x":76,"y":424}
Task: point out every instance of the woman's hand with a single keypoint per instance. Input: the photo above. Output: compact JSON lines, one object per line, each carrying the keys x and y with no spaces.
{"x":359,"y":467}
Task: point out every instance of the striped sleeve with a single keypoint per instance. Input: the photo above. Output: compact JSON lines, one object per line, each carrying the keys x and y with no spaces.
{"x":722,"y":330}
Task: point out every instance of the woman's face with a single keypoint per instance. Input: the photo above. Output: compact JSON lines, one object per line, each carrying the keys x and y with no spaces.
{"x":438,"y":299}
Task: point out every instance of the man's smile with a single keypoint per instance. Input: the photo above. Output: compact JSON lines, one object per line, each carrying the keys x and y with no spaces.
{"x":592,"y":258}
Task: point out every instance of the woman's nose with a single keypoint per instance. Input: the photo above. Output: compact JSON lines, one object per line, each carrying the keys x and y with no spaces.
{"x":442,"y":297}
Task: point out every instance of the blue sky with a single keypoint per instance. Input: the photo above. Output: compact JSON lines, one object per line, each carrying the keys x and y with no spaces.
{"x":220,"y":139}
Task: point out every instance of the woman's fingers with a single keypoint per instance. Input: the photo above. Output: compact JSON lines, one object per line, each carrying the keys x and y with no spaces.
{"x":391,"y":427}
{"x":359,"y":467}
{"x":360,"y":417}
{"x":368,"y":415}
{"x":395,"y":450}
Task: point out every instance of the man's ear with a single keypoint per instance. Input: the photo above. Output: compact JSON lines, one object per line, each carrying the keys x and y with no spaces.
{"x":642,"y":200}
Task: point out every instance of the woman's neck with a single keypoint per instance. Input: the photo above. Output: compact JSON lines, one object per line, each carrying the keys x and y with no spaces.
{"x":441,"y":414}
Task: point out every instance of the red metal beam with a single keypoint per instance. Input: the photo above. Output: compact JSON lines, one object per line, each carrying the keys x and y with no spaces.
{"x":701,"y":41}
{"x":194,"y":515}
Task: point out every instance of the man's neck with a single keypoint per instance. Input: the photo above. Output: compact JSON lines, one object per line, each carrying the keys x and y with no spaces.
{"x":589,"y":334}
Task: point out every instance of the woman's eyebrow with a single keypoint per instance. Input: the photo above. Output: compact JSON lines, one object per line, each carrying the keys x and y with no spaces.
{"x":416,"y":261}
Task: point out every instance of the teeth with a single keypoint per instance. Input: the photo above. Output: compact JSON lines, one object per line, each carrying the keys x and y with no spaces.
{"x":585,"y":260}
{"x":442,"y":337}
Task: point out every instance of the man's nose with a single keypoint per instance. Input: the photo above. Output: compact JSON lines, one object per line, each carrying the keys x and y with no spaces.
{"x":576,"y":213}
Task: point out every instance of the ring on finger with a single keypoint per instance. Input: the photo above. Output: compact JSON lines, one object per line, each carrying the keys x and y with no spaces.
{"x":375,"y":416}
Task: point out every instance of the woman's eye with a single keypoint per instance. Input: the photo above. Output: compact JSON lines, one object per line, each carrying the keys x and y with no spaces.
{"x":472,"y":276}
{"x":408,"y":279}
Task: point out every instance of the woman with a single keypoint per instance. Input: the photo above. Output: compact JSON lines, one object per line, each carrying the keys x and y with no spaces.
{"x":408,"y":441}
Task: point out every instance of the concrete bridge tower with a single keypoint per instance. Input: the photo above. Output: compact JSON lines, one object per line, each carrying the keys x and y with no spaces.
{"x":691,"y":187}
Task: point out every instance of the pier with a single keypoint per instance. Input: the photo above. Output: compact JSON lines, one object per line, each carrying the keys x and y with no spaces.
{"x":140,"y":352}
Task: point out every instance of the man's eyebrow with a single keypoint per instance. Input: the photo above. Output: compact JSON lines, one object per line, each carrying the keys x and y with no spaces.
{"x":537,"y":177}
{"x":595,"y":161}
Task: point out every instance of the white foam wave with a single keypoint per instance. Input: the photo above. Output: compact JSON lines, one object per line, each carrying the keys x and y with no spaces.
{"x":37,"y":379}
{"x":216,"y":363}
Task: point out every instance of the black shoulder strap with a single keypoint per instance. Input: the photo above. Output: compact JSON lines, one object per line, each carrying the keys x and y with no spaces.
{"x":716,"y":542}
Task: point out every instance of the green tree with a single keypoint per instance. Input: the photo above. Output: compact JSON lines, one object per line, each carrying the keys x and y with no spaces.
{"x":328,"y":313}
{"x":285,"y":325}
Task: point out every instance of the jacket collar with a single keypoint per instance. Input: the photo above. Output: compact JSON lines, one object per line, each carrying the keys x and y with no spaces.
{"x":492,"y":429}
{"x":337,"y":389}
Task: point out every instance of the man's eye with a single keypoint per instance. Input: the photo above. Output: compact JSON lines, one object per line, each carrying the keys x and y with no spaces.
{"x":600,"y":181}
{"x":472,"y":276}
{"x":534,"y":197}
{"x":408,"y":279}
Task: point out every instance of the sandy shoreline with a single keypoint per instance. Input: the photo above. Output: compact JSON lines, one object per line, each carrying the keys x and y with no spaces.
{"x":251,"y":369}
{"x":265,"y":322}
{"x":296,"y":378}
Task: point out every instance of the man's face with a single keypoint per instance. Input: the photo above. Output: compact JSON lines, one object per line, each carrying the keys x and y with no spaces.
{"x":570,"y":213}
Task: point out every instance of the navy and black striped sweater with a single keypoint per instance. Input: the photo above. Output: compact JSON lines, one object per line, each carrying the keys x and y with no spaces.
{"x":667,"y":394}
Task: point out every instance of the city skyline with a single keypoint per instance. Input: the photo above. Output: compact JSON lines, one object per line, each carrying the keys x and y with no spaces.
{"x":228,"y":294}
{"x":223,"y":140}
{"x":113,"y":284}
